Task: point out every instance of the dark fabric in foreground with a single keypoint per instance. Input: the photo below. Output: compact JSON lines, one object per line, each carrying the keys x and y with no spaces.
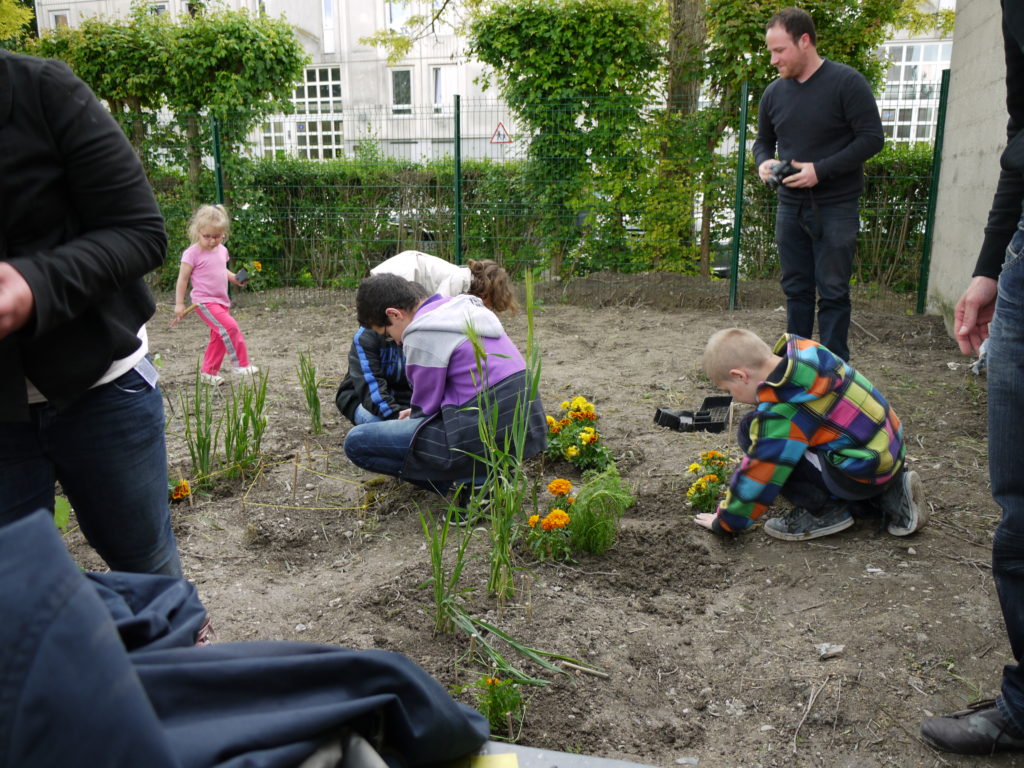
{"x":100,"y":670}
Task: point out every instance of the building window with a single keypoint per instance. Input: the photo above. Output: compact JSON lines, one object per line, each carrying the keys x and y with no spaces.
{"x":60,"y":19}
{"x":398,"y":12}
{"x":273,"y":137}
{"x":328,"y":36}
{"x":442,"y":81}
{"x":159,"y":9}
{"x":908,"y":101}
{"x":320,"y":139}
{"x":401,"y":92}
{"x":320,"y":94}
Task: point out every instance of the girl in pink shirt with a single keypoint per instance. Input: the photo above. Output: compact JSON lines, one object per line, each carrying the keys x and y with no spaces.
{"x":205,"y":262}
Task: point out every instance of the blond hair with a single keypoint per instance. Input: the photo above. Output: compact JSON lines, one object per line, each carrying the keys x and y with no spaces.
{"x":209,"y":216}
{"x":734,"y":348}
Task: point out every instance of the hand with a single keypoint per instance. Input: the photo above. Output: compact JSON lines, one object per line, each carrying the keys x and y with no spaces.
{"x":805,"y":176}
{"x":179,"y":311}
{"x":974,"y":312}
{"x":405,"y":414}
{"x":705,"y":519}
{"x":16,"y":300}
{"x":764,"y":170}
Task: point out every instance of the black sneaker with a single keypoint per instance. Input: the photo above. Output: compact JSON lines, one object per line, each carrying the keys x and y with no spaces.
{"x":799,"y":524}
{"x":978,"y":730}
{"x":903,"y":504}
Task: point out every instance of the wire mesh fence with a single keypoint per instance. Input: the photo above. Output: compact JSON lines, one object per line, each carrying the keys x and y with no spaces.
{"x":320,"y":196}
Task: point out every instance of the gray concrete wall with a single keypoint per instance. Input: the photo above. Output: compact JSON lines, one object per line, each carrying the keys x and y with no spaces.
{"x":975,"y":136}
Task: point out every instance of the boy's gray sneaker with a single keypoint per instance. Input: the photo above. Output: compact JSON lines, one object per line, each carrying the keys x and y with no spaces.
{"x":903,"y":504}
{"x":980,"y":729}
{"x":799,"y":524}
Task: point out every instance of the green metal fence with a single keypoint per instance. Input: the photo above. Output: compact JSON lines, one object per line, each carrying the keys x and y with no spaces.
{"x":317,"y":199}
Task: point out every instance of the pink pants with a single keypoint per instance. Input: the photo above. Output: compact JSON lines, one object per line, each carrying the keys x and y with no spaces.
{"x":225,"y":338}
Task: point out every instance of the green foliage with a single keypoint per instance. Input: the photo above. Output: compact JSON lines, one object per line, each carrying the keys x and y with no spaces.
{"x":202,"y":429}
{"x":711,"y":470}
{"x":14,"y":18}
{"x":61,"y":513}
{"x":307,"y":380}
{"x":574,"y":437}
{"x":596,"y":511}
{"x":501,"y":702}
{"x":245,"y":421}
{"x":445,"y":576}
{"x":578,"y":74}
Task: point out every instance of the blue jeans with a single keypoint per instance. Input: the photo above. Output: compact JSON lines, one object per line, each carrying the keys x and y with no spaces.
{"x":381,"y":446}
{"x":1006,"y":471}
{"x":816,"y":248}
{"x":365,"y":416}
{"x":107,"y":450}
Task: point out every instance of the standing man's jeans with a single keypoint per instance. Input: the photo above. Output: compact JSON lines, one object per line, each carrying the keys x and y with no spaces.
{"x":107,"y":450}
{"x":1005,"y":428}
{"x":816,"y":248}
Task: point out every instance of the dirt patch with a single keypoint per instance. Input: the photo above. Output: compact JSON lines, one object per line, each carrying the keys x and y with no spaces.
{"x":710,"y":646}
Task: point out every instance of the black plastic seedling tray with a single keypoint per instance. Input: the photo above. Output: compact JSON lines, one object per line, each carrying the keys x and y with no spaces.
{"x":711,"y":416}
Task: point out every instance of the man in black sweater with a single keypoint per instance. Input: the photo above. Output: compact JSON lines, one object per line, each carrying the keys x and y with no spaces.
{"x":993,"y":725}
{"x":821,"y":117}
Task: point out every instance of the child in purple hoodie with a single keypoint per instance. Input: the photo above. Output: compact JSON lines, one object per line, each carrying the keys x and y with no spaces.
{"x":433,"y":444}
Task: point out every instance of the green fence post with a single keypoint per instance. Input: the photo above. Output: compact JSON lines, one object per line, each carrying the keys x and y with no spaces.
{"x":218,"y":168}
{"x":458,"y":180}
{"x":933,"y":193}
{"x":737,"y":214}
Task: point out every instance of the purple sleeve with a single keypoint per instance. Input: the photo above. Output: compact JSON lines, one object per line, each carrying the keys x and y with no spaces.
{"x":428,"y":388}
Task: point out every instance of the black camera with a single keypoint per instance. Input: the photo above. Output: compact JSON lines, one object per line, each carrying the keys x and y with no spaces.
{"x":779,"y":171}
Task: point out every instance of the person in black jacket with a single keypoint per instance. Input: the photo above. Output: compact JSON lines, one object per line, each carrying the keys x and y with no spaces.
{"x":79,"y":228}
{"x":995,"y":725}
{"x":822,"y":117}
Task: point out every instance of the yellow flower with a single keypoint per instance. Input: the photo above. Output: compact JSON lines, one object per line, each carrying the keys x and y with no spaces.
{"x":557,"y":518}
{"x":532,"y":522}
{"x":580,"y":404}
{"x":181,"y":490}
{"x":559,"y":487}
{"x":257,"y":266}
{"x":571,"y":452}
{"x":695,"y":468}
{"x":551,"y":421}
{"x":565,"y":405}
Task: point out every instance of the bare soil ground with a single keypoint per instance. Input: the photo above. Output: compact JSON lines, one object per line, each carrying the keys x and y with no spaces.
{"x":710,"y":646}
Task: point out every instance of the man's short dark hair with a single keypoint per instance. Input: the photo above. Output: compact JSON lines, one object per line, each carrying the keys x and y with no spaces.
{"x":797,"y":23}
{"x":379,"y":292}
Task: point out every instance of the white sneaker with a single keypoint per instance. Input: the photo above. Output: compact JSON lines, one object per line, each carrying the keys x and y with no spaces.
{"x":251,"y":370}
{"x":211,"y":379}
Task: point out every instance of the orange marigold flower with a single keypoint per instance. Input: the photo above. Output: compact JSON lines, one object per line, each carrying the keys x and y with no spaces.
{"x":570,"y":499}
{"x":257,"y":266}
{"x":181,"y":491}
{"x":557,"y":518}
{"x":559,"y":487}
{"x":533,"y":520}
{"x":490,"y":682}
{"x":565,"y":422}
{"x":712,"y":455}
{"x":710,"y":478}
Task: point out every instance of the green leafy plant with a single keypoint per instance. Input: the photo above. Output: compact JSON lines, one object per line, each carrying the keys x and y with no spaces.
{"x":712,"y":471}
{"x":259,"y":278}
{"x":444,"y":577}
{"x":548,"y":536}
{"x":501,"y":702}
{"x":506,"y":485}
{"x":574,"y":437}
{"x":61,"y":513}
{"x":202,"y":429}
{"x":245,"y":421}
{"x":596,"y":511}
{"x":307,"y":378}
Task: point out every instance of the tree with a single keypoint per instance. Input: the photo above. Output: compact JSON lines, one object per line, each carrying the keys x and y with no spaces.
{"x":124,"y":62}
{"x":578,"y":74}
{"x":14,"y":16}
{"x":232,"y":66}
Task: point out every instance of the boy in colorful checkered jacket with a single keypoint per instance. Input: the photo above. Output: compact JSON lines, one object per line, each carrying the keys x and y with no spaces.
{"x":821,"y":435}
